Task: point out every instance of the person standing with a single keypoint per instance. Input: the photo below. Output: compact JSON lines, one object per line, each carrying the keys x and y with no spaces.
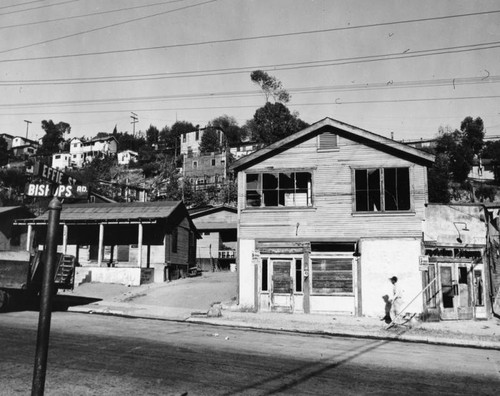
{"x":397,"y":298}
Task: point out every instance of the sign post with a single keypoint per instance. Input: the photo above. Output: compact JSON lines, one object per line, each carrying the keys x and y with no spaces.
{"x":42,"y":343}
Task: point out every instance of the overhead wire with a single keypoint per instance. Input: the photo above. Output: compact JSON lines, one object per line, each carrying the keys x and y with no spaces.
{"x":105,"y":27}
{"x":36,"y":8}
{"x":259,"y":37}
{"x":69,"y":17}
{"x":247,"y":93}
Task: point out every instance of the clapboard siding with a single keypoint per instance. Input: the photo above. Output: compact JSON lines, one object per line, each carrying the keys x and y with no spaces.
{"x":332,"y":213}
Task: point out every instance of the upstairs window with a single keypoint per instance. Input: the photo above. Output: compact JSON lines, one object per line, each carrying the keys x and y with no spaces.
{"x":281,"y":189}
{"x":382,"y":189}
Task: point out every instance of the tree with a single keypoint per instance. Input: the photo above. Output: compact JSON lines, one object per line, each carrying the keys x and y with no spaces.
{"x":210,"y":141}
{"x":473,"y":134}
{"x":54,"y":136}
{"x":152,"y":135}
{"x":273,"y":122}
{"x":4,"y":153}
{"x":232,"y":131}
{"x":491,"y":150}
{"x":270,"y":86}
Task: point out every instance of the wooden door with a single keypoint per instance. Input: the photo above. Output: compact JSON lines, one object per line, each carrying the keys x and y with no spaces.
{"x":282,"y":285}
{"x":456,"y":297}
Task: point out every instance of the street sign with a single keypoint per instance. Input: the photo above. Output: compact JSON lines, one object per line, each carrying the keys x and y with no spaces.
{"x":51,"y":174}
{"x":61,"y":191}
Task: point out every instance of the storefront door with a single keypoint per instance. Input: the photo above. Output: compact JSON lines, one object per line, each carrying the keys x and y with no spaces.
{"x":282,"y":285}
{"x":456,"y":291}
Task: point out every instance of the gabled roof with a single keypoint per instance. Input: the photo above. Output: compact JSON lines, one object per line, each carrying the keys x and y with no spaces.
{"x":344,"y":130}
{"x":206,"y":210}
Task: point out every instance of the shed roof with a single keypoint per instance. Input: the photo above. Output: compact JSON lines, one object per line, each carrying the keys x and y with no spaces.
{"x":342,"y":129}
{"x":112,"y":212}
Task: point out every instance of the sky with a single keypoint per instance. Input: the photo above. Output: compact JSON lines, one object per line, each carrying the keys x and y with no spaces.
{"x":393,"y":67}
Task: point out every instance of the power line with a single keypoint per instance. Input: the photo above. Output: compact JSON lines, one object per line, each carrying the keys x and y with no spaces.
{"x":19,"y":4}
{"x":451,"y":82}
{"x":274,"y":67}
{"x":230,"y":40}
{"x":66,"y":18}
{"x":36,"y":8}
{"x":330,"y":103}
{"x":106,"y":27}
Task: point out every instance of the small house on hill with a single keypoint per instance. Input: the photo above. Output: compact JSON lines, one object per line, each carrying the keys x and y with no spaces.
{"x":130,"y":243}
{"x":326,"y":217}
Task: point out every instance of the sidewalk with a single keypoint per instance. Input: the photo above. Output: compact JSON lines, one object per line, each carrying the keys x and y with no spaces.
{"x":156,"y":301}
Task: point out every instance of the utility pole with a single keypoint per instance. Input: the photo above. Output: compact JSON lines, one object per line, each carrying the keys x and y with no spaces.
{"x":135,"y":120}
{"x":27,"y":126}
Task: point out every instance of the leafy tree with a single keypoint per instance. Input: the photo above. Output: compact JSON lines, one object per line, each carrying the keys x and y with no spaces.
{"x":210,"y":141}
{"x":54,"y":137}
{"x":438,"y":178}
{"x":152,"y":135}
{"x":127,"y":141}
{"x":273,"y":122}
{"x":473,"y":134}
{"x":98,"y":169}
{"x":232,"y":131}
{"x":271,"y":86}
{"x":491,"y":150}
{"x":4,"y":153}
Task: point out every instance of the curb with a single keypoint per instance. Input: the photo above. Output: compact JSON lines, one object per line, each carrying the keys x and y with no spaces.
{"x":478,"y":344}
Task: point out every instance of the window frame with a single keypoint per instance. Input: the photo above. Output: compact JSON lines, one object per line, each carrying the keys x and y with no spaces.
{"x":260,"y":190}
{"x":381,"y":191}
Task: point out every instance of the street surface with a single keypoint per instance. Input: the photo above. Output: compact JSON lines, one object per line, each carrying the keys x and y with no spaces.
{"x":105,"y":355}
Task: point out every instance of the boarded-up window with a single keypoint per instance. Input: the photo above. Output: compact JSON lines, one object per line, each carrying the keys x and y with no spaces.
{"x":279,"y":189}
{"x":327,"y":141}
{"x":123,"y":253}
{"x":385,"y":189}
{"x":332,"y":275}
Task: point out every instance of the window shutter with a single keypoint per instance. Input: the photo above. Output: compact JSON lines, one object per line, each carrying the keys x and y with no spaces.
{"x":328,"y":141}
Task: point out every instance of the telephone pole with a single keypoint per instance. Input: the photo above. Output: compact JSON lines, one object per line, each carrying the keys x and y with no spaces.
{"x":27,"y":126}
{"x":135,"y":120}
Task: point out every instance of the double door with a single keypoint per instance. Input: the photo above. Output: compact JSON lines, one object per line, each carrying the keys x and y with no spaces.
{"x":456,"y":291}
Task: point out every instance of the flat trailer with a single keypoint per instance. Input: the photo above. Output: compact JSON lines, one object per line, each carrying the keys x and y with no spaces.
{"x":21,"y":276}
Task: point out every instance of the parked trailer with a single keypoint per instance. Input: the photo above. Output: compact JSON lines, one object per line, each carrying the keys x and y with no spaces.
{"x":21,"y":276}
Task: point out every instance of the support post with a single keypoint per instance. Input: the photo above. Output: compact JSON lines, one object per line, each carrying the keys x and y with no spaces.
{"x":42,"y":343}
{"x":65,"y":238}
{"x":139,"y":245}
{"x":29,"y":236}
{"x":100,"y":252}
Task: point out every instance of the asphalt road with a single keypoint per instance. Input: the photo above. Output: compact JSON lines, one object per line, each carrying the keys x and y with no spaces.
{"x":103,"y":355}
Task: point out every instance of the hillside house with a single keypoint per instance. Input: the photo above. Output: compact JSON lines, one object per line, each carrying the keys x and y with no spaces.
{"x":326,"y":216}
{"x":83,"y":151}
{"x":127,"y":156}
{"x":61,"y":160}
{"x":129,"y":243}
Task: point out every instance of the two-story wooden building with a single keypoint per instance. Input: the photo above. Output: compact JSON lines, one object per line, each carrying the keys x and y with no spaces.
{"x":325,"y":217}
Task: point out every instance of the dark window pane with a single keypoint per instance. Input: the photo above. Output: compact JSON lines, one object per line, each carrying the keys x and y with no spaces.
{"x":298,"y":275}
{"x":264,"y":275}
{"x":397,"y":189}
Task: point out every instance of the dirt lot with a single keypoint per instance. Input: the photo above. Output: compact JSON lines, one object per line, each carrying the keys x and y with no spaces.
{"x":196,"y":293}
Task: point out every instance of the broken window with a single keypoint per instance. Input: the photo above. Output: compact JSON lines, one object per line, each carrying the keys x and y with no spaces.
{"x":385,"y":189}
{"x":279,"y":189}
